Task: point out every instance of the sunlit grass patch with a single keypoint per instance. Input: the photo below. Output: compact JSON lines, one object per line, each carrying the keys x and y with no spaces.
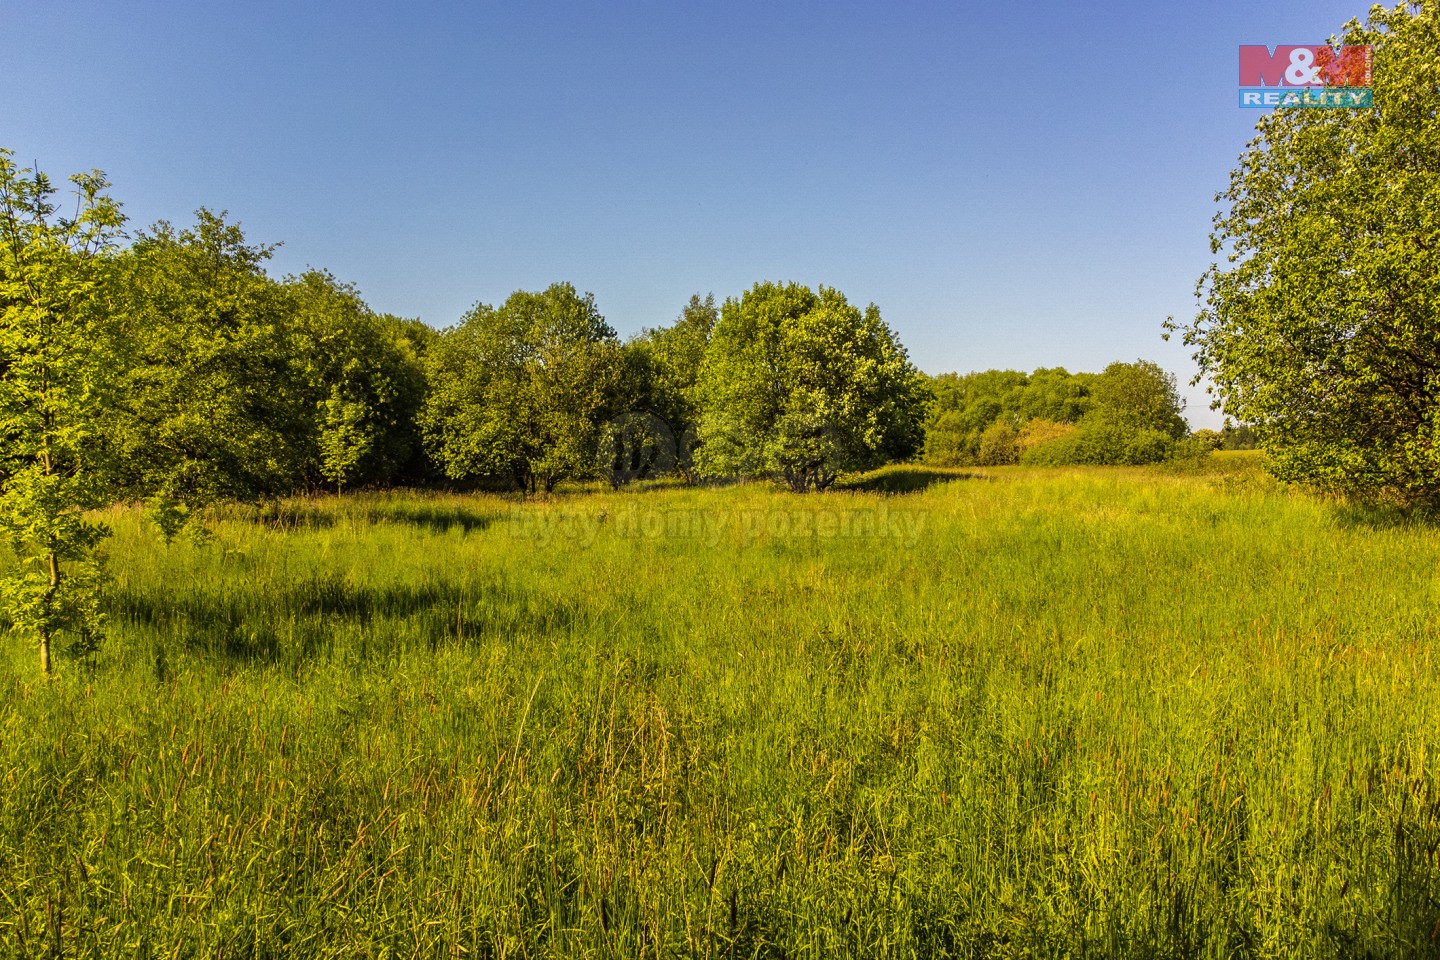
{"x":1005,"y":712}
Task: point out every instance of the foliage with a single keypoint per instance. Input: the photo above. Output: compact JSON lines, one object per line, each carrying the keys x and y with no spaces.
{"x":1116,"y":416}
{"x":1038,"y":432}
{"x":346,"y":437}
{"x":1102,"y":442}
{"x":801,"y":385}
{"x":1209,"y":439}
{"x":963,"y":407}
{"x":665,"y":372}
{"x":522,"y":391}
{"x":1137,"y":397}
{"x":999,"y":444}
{"x":57,"y":371}
{"x":364,"y":383}
{"x":1240,"y":437}
{"x":1320,"y":328}
{"x":213,"y":407}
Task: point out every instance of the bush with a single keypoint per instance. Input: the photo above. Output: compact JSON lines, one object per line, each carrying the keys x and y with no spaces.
{"x":1039,"y":431}
{"x":999,"y":445}
{"x":1209,"y":439}
{"x":1092,"y":444}
{"x":1102,"y":443}
{"x":1148,"y":446}
{"x":947,"y":444}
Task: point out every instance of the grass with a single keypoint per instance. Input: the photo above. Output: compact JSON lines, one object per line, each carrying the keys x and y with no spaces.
{"x":1007,"y":713}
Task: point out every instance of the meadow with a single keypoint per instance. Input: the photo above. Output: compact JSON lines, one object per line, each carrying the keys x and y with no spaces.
{"x":1109,"y":712}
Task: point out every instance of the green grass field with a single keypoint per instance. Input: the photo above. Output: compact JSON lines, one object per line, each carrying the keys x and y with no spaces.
{"x":1001,"y":713}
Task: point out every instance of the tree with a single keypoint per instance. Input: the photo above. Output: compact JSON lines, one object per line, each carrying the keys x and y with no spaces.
{"x":1138,"y":396}
{"x":1133,"y":418}
{"x":363,"y":383}
{"x":665,"y":367}
{"x":57,"y":364}
{"x":801,"y":385}
{"x":213,"y":407}
{"x":999,"y":444}
{"x":521,"y":391}
{"x":963,"y":408}
{"x":1241,"y":437}
{"x":1321,"y":328}
{"x":346,"y":436}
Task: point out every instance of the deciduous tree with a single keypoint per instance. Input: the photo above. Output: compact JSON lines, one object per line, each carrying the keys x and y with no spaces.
{"x":57,"y":373}
{"x":1321,"y":326}
{"x":801,"y":385}
{"x":520,"y":391}
{"x":664,"y":374}
{"x":363,"y":384}
{"x":212,"y":407}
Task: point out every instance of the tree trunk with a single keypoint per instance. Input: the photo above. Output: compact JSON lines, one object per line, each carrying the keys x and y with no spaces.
{"x":45,"y":666}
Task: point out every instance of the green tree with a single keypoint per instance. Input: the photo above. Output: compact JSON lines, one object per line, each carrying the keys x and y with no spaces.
{"x":1138,"y":396}
{"x":999,"y":444}
{"x":1056,"y":394}
{"x":1321,"y":328}
{"x":213,"y":407}
{"x":522,"y":390}
{"x":1241,"y":437}
{"x":57,"y":365}
{"x":1133,"y":417}
{"x":346,"y":437}
{"x":964,"y":407}
{"x":801,"y":385}
{"x":363,"y":383}
{"x":664,"y":375}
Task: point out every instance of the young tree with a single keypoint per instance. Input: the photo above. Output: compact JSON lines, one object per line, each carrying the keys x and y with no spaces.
{"x":1321,"y":328}
{"x":346,"y":436}
{"x":803,"y":386}
{"x":57,"y":364}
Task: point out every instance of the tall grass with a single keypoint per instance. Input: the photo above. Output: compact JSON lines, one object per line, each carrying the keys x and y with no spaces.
{"x":1006,"y":713}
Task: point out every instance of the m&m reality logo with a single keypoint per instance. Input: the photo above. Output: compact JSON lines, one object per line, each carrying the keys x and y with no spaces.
{"x":1305,"y":75}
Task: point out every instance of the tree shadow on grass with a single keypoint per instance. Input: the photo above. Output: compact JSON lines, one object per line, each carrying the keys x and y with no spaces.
{"x":431,"y":517}
{"x":306,"y":618}
{"x":904,"y":479}
{"x":1383,"y":516}
{"x":286,"y":516}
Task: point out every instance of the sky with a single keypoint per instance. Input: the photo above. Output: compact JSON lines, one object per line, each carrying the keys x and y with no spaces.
{"x":1014,"y":185}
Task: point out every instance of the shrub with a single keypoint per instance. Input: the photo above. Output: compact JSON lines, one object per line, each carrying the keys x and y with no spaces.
{"x":1102,"y":443}
{"x":1209,"y":439}
{"x":1148,"y":446}
{"x":999,"y":445}
{"x":1034,"y":433}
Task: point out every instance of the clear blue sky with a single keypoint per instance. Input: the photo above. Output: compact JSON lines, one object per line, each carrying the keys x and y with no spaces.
{"x":1016,"y":185}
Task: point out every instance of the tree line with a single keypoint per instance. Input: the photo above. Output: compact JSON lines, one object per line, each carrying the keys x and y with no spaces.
{"x":1129,"y":413}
